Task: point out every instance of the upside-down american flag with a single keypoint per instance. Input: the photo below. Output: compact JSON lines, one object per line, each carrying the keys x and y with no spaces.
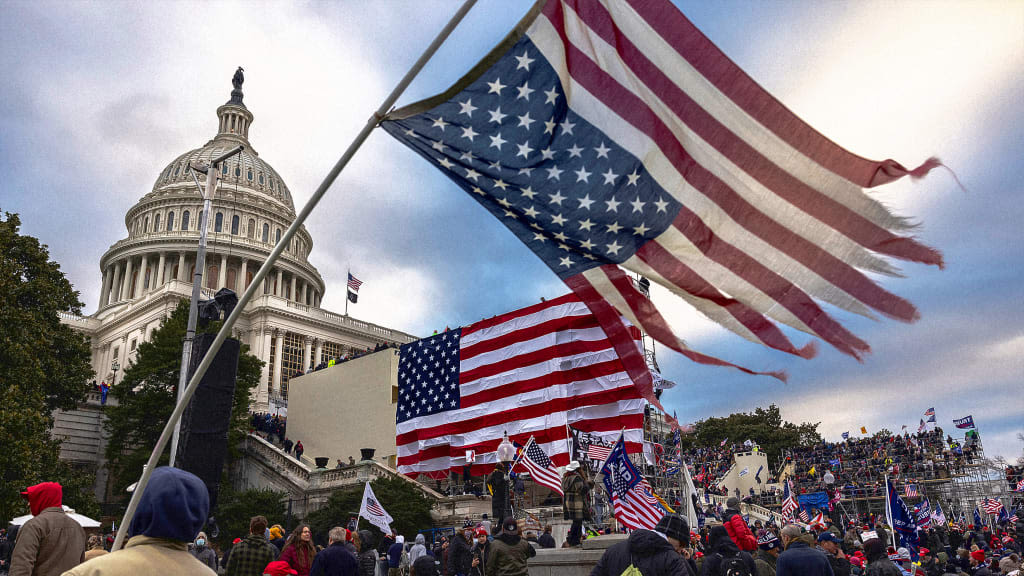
{"x":527,"y":372}
{"x":632,"y":499}
{"x":610,"y":134}
{"x":540,"y":467}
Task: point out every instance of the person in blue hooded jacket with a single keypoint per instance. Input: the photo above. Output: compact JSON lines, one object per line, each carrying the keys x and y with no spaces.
{"x":171,"y":512}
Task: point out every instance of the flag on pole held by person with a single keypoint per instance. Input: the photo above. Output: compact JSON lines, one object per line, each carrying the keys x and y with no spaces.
{"x":634,"y":505}
{"x":846,"y":435}
{"x":610,"y":135}
{"x":540,"y":467}
{"x":964,"y":423}
{"x":938,"y":517}
{"x":929,"y":412}
{"x":903,"y":521}
{"x":863,"y":430}
{"x":373,"y":511}
{"x":977,"y":518}
{"x":528,"y":372}
{"x":789,"y":501}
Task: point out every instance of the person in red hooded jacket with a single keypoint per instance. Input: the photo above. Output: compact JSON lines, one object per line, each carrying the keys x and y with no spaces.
{"x":736,"y":527}
{"x":51,"y":542}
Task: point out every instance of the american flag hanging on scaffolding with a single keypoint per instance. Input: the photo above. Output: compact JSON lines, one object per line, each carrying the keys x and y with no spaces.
{"x":910,"y":491}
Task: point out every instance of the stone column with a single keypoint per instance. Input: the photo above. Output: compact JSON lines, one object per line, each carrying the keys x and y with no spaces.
{"x":241,"y":280}
{"x":181,"y":267}
{"x":160,"y":269}
{"x":126,"y":289}
{"x":319,"y":352}
{"x":294,"y":295}
{"x":277,"y":360}
{"x":222,"y":277}
{"x":107,"y":274}
{"x":264,"y":355}
{"x":115,"y":287}
{"x":305,"y":286}
{"x":279,"y":289}
{"x":140,"y":288}
{"x":307,"y":354}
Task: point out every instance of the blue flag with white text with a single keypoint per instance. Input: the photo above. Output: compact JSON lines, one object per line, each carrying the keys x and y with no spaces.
{"x":903,"y":521}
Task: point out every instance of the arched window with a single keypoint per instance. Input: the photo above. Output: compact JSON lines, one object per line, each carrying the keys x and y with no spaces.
{"x":250,"y":230}
{"x":184,"y":220}
{"x":224,"y":168}
{"x":170,"y":221}
{"x":145,"y":226}
{"x":218,"y":222}
{"x":248,"y":175}
{"x":266,"y":233}
{"x":230,"y":282}
{"x":277,"y":236}
{"x":261,"y":178}
{"x":156,"y":223}
{"x":234,"y":225}
{"x":212,"y":274}
{"x":238,"y":170}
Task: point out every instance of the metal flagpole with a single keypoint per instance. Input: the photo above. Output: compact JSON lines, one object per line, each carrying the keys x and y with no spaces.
{"x":197,"y":280}
{"x":348,"y":271}
{"x":888,"y":512}
{"x":257,"y":280}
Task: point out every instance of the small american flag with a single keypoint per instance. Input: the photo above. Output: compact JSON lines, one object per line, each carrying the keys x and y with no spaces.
{"x":1013,"y":517}
{"x":598,"y":452}
{"x":373,"y":507}
{"x":615,"y":133}
{"x":929,"y":412}
{"x":910,"y":491}
{"x":540,"y":467}
{"x":789,"y":503}
{"x":991,"y":506}
{"x":804,"y":516}
{"x":1020,"y":485}
{"x":354,"y":283}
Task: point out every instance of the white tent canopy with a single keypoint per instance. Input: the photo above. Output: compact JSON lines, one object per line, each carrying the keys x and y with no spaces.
{"x":84,"y":521}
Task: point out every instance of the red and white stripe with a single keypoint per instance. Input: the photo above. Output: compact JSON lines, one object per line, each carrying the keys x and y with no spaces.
{"x":596,"y":452}
{"x":529,"y":372}
{"x":637,"y":508}
{"x":543,"y":475}
{"x":991,"y":506}
{"x":775,"y":218}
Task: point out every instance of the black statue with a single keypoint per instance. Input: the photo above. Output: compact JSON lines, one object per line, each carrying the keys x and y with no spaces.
{"x":238,"y":78}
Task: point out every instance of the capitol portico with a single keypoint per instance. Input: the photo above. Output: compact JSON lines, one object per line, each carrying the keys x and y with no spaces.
{"x":145,"y":275}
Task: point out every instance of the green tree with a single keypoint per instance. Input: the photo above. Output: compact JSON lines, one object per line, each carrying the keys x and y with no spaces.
{"x":235,"y":509}
{"x":148,"y":392}
{"x":44,"y":365}
{"x":408,"y":506}
{"x":763,"y":426}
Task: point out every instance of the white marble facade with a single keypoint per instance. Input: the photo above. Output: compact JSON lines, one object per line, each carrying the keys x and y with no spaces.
{"x":146,"y":274}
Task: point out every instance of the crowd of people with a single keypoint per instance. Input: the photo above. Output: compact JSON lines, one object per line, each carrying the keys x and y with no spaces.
{"x":328,"y":362}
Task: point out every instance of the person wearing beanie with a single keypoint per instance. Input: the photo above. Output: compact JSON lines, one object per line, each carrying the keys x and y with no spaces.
{"x":736,"y":527}
{"x":768,"y":548}
{"x":978,"y":564}
{"x":509,"y":552}
{"x":654,"y":552}
{"x":830,"y":544}
{"x":277,"y":536}
{"x":51,"y":541}
{"x":856,"y":565}
{"x":172,"y":509}
{"x":878,"y":559}
{"x":799,"y":558}
{"x":723,"y":555}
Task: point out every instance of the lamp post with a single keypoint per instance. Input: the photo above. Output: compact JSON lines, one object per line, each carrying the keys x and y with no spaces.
{"x":197,"y":278}
{"x":114,"y":366}
{"x":506,"y":454}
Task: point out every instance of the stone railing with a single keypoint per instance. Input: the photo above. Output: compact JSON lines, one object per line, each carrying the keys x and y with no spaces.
{"x":78,"y":322}
{"x":286,"y":465}
{"x":757,"y":512}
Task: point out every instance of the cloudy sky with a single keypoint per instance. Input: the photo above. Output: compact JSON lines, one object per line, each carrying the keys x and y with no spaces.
{"x":98,"y":97}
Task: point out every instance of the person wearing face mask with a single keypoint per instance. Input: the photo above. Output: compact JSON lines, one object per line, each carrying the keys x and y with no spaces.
{"x":657,"y":552}
{"x":203,"y":552}
{"x":460,"y":554}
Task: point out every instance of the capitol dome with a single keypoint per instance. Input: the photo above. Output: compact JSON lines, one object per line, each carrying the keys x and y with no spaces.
{"x":251,"y":209}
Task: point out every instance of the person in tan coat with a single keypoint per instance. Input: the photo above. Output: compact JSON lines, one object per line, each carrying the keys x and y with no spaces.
{"x":171,"y":512}
{"x":95,"y":548}
{"x":51,"y":542}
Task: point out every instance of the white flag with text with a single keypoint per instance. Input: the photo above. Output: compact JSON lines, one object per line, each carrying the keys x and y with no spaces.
{"x":374,"y":512}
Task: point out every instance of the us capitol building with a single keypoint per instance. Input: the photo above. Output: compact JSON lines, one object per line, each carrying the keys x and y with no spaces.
{"x":146,"y":274}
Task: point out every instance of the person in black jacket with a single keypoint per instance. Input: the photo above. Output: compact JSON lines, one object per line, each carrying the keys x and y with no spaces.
{"x":800,"y":559}
{"x":829,"y":544}
{"x":546,"y":540}
{"x":368,"y":556}
{"x":460,"y":555}
{"x":654,"y":553}
{"x":335,"y":560}
{"x":722,"y":551}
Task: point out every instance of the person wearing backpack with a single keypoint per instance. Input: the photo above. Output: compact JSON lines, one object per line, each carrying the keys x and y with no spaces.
{"x":649,"y":553}
{"x":738,"y":530}
{"x":799,"y":559}
{"x":725,"y":558}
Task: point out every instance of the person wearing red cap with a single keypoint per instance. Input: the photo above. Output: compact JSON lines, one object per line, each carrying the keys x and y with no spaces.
{"x":50,"y":542}
{"x":481,"y":548}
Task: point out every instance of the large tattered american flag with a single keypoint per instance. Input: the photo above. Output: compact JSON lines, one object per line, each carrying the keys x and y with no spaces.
{"x":527,"y":372}
{"x":610,"y":134}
